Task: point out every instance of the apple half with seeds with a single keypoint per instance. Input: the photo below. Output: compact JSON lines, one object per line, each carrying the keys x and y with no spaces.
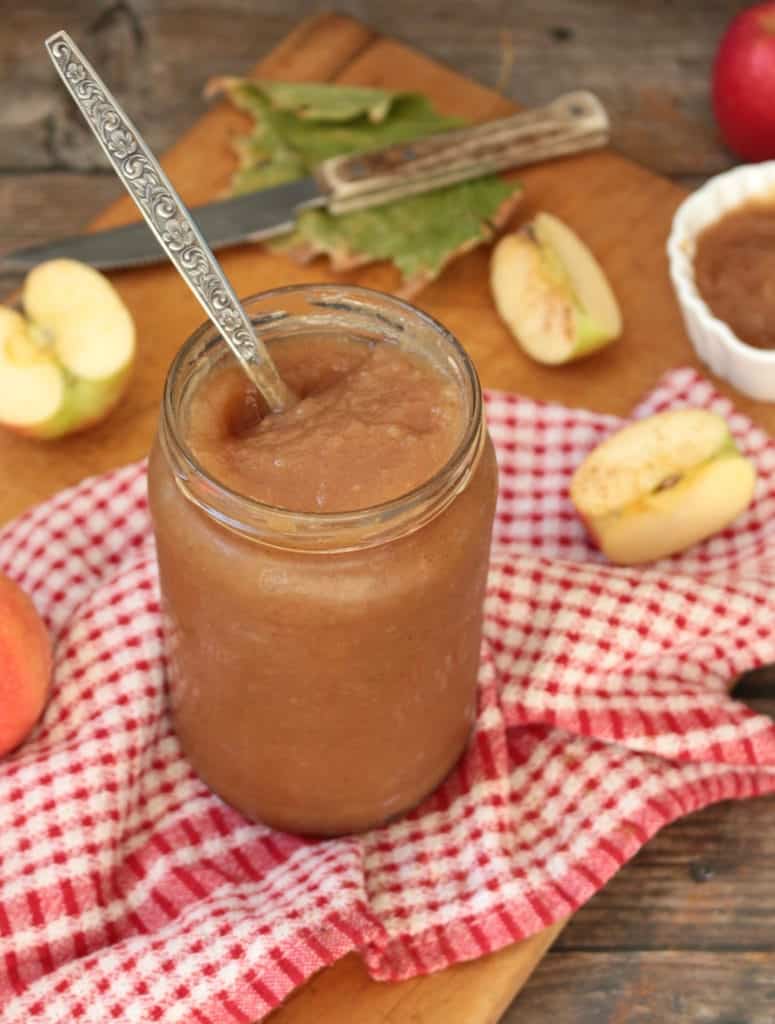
{"x":662,"y":484}
{"x":66,"y":361}
{"x":552,"y":293}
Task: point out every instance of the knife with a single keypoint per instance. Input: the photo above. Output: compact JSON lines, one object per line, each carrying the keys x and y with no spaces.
{"x":573,"y":122}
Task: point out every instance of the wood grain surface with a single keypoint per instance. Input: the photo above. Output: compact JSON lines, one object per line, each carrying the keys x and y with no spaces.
{"x":683,"y":933}
{"x":649,"y":61}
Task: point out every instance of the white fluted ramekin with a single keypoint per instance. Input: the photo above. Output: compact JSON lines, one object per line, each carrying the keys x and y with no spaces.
{"x":750,"y":370}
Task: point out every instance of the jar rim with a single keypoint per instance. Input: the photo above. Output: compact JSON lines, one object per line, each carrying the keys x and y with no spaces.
{"x":452,"y":475}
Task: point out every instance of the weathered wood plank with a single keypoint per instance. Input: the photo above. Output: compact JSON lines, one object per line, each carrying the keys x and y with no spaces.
{"x":650,"y":63}
{"x":669,"y":987}
{"x":38,"y":207}
{"x":650,"y":67}
{"x":703,"y":883}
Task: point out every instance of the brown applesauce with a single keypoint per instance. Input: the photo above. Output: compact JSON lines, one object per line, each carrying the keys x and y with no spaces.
{"x":358,"y":400}
{"x":323,"y":569}
{"x":734,"y":269}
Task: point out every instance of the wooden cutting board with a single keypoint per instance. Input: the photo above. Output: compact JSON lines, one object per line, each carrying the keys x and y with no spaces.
{"x":623,"y":212}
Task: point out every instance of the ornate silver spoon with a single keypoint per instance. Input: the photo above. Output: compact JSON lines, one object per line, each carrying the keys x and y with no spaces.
{"x":170,"y":221}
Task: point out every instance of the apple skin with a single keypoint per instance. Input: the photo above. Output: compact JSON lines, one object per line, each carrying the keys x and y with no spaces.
{"x":25,"y":657}
{"x":744,"y":83}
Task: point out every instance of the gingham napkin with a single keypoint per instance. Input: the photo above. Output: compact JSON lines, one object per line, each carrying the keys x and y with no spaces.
{"x":128,"y":891}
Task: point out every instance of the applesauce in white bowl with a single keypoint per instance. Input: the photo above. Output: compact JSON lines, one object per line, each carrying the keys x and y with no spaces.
{"x":749,"y":369}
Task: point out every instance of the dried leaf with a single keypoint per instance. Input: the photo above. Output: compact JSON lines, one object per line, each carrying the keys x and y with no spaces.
{"x":297,"y":125}
{"x":325,"y":102}
{"x":420,"y":234}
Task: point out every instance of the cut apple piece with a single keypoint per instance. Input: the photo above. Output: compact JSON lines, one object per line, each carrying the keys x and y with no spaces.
{"x":552,"y":293}
{"x":25,"y":370}
{"x":662,"y":484}
{"x":67,"y":362}
{"x":81,"y":314}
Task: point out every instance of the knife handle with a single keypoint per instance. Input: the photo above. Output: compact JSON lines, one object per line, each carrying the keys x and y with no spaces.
{"x":573,"y":122}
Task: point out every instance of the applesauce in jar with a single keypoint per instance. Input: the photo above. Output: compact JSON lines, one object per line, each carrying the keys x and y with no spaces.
{"x":323,"y":569}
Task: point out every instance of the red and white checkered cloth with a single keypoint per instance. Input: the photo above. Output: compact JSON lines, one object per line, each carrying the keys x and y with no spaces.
{"x":129,"y":891}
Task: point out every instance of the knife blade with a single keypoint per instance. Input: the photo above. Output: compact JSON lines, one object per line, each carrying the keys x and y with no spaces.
{"x":572,"y":123}
{"x":222,"y":223}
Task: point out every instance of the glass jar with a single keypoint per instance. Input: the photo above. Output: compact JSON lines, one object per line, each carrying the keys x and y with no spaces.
{"x":322,"y":667}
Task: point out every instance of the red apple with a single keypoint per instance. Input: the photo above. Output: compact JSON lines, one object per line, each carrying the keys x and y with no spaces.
{"x":25,"y":665}
{"x":744,"y":83}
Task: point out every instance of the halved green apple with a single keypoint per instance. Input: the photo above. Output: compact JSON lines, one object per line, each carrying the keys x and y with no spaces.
{"x":66,"y":362}
{"x":662,"y":484}
{"x":552,"y":293}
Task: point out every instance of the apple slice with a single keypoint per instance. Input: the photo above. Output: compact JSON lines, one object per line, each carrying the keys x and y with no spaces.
{"x":67,"y":361}
{"x":552,"y":293}
{"x":662,"y":484}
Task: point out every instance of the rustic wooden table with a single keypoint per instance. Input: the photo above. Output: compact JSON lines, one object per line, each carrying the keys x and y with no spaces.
{"x":685,"y":932}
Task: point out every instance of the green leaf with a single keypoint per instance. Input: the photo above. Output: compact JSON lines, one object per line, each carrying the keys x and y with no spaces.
{"x":296,"y":126}
{"x":420,"y":234}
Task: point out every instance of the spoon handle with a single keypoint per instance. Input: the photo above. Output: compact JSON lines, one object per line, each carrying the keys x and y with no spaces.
{"x":169,"y":220}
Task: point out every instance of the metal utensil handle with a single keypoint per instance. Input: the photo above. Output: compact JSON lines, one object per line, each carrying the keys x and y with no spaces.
{"x":161,"y":206}
{"x":573,"y":122}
